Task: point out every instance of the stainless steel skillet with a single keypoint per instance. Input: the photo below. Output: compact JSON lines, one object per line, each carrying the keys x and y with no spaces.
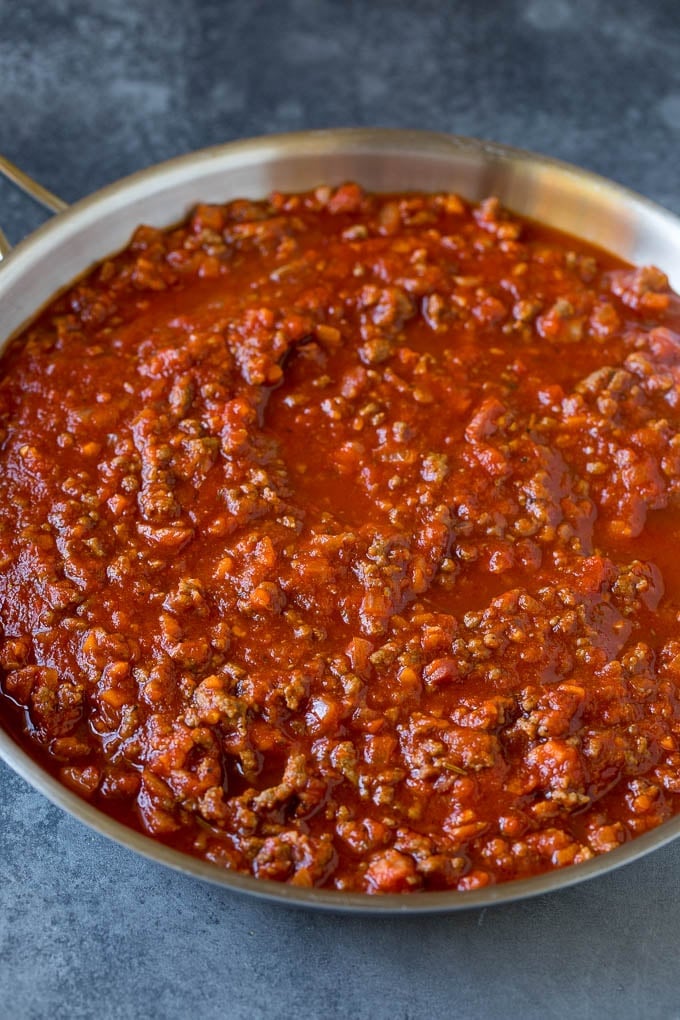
{"x":559,"y":195}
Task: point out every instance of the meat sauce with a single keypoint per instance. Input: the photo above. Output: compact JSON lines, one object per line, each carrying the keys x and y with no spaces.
{"x":336,"y":539}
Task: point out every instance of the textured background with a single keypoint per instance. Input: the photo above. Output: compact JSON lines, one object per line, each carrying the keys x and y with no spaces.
{"x":91,"y":91}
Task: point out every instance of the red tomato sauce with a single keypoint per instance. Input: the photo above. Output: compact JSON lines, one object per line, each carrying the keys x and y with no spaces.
{"x":336,"y":539}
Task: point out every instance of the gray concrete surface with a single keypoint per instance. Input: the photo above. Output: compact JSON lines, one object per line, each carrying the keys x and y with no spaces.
{"x":90,"y":91}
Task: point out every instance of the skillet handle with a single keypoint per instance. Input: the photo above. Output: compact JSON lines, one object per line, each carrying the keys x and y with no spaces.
{"x":46,"y":198}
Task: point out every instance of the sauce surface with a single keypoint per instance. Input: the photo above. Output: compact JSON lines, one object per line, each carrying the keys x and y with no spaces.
{"x":337,"y":541}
